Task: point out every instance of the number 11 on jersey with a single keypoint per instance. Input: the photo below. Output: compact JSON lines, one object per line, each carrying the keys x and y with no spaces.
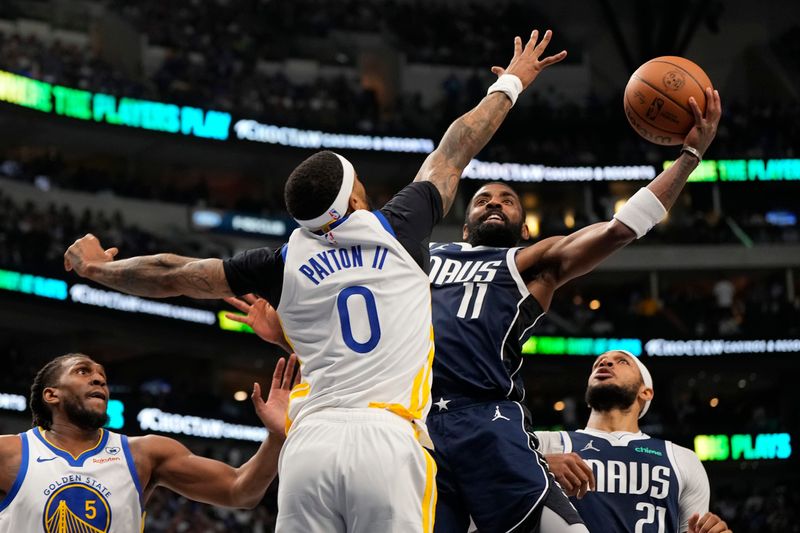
{"x":470,"y":288}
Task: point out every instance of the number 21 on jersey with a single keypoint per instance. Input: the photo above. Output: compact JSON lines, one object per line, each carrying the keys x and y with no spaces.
{"x":652,"y":514}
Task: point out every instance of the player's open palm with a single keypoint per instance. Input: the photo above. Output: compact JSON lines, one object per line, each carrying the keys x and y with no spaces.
{"x":708,"y":523}
{"x":528,"y":62}
{"x":705,"y":126}
{"x":259,"y":315}
{"x":272,"y":412}
{"x":85,"y":252}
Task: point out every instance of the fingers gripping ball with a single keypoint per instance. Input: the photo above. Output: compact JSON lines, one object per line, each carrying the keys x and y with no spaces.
{"x":657,"y":98}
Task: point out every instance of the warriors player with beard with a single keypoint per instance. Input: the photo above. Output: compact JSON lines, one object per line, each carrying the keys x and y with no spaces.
{"x":641,"y":483}
{"x":69,"y":474}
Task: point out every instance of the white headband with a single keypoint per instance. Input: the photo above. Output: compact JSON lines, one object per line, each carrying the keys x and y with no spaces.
{"x":338,"y":208}
{"x":647,"y":379}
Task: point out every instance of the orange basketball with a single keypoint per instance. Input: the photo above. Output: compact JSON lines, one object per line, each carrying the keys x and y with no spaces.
{"x":657,"y":98}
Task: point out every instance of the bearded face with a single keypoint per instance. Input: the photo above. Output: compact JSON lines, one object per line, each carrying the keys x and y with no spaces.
{"x":81,"y":415}
{"x":494,"y":218}
{"x":609,"y":396}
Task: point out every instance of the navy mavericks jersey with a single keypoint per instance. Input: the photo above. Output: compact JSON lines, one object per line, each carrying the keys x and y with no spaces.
{"x":638,"y":486}
{"x":482,"y":312}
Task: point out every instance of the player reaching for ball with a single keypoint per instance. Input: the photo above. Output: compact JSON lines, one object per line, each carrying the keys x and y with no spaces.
{"x":487,"y":295}
{"x":69,"y":474}
{"x":352,"y":460}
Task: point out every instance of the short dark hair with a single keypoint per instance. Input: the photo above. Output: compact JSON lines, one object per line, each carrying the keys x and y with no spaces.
{"x":48,"y":376}
{"x":313,"y":185}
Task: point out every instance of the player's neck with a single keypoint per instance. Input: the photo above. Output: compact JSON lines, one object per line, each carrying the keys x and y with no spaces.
{"x":72,"y":438}
{"x":614,"y":420}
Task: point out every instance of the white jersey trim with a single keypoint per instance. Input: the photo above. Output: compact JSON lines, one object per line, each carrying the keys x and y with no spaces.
{"x":616,"y":438}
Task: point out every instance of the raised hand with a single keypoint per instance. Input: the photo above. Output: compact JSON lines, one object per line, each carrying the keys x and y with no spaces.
{"x":85,"y":253}
{"x":260,"y":316}
{"x":708,"y":523}
{"x":272,"y":412}
{"x":705,"y":127}
{"x":526,"y":64}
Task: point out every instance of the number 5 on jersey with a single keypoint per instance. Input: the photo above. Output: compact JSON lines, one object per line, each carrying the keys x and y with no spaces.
{"x":371,"y":312}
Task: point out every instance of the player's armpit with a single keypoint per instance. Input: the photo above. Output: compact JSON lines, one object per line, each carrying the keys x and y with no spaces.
{"x":553,"y":262}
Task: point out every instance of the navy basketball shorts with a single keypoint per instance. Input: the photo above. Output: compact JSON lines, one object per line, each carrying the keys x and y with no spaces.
{"x":488,"y":468}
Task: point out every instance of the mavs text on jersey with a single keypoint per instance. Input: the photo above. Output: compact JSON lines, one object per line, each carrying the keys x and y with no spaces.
{"x":643,"y":484}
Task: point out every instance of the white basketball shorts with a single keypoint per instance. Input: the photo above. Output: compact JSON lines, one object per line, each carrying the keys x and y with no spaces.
{"x":355,"y":471}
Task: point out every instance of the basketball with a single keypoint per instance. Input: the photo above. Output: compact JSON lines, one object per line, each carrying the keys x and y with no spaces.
{"x":657,"y":98}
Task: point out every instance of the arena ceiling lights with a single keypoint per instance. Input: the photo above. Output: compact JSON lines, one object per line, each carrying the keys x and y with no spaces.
{"x":220,"y":126}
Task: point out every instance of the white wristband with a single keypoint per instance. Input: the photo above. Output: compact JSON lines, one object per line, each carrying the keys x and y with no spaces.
{"x":641,"y":212}
{"x":508,"y":84}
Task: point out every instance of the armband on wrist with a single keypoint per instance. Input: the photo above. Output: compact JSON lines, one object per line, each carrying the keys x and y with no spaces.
{"x":508,"y":84}
{"x":693,"y":152}
{"x":643,"y":211}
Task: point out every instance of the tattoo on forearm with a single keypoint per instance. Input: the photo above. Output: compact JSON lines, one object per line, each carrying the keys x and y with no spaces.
{"x":159,"y":276}
{"x":464,"y":139}
{"x":668,"y":185}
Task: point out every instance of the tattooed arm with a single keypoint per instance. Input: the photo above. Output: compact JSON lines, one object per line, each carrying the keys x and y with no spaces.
{"x":156,"y":276}
{"x":469,"y":134}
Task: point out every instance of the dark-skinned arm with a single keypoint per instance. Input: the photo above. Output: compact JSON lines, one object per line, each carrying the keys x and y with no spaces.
{"x":170,"y":464}
{"x":10,"y":462}
{"x":154,"y":276}
{"x":552,"y":262}
{"x":469,"y":133}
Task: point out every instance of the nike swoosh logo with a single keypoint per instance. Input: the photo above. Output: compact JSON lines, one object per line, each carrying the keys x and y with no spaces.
{"x":44,"y":460}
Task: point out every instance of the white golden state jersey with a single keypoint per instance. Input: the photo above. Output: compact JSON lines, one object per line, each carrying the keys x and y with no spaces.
{"x":356,"y":308}
{"x":55,"y":492}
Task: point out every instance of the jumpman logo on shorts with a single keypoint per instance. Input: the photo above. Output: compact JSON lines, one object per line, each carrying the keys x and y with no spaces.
{"x":498,"y":415}
{"x":590,"y":447}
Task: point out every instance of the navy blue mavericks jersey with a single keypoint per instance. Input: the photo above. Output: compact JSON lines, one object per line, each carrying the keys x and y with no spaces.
{"x":482,"y":313}
{"x":637,"y":483}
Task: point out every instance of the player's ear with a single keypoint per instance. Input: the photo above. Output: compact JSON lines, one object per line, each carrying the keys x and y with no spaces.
{"x":646,"y":393}
{"x":526,"y":234}
{"x":464,"y":233}
{"x":358,"y":198}
{"x":50,"y":396}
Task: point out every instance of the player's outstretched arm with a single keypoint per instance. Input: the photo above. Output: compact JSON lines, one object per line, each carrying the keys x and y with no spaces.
{"x":469,"y":134}
{"x":553,"y":262}
{"x":172,"y":465}
{"x":155,"y":276}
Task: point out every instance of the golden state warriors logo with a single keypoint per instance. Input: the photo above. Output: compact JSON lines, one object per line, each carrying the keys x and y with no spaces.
{"x":77,"y":508}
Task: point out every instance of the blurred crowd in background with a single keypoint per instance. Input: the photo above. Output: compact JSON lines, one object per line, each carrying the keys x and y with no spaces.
{"x":228,"y":55}
{"x":567,"y":132}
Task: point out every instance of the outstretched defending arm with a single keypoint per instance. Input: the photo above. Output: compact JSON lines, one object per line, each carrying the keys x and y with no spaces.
{"x":172,"y":465}
{"x":469,"y":133}
{"x":156,"y":276}
{"x":552,"y":262}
